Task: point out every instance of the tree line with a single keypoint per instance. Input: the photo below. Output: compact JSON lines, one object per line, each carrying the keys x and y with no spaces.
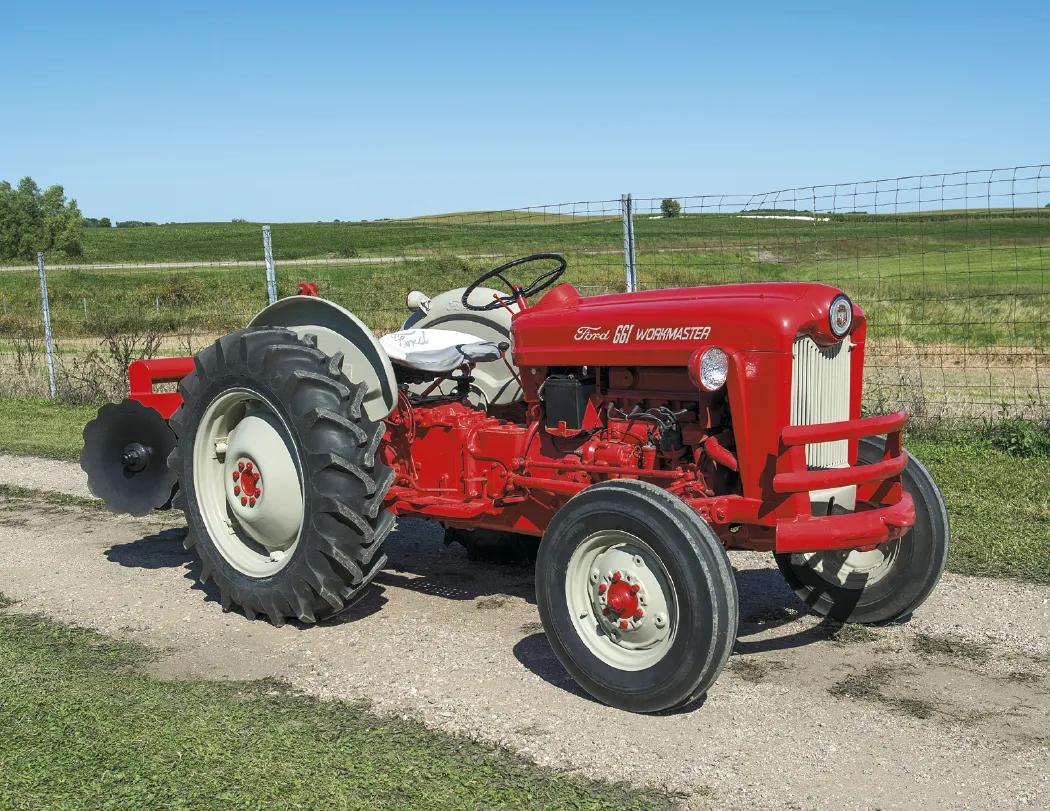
{"x":34,"y":220}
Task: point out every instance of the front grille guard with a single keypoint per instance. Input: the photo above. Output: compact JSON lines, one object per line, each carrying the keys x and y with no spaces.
{"x":877,"y":484}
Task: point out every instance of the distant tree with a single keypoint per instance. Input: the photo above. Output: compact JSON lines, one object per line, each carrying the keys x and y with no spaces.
{"x":133,"y":224}
{"x":670,"y":207}
{"x":32,"y":220}
{"x":104,"y":222}
{"x":238,"y":219}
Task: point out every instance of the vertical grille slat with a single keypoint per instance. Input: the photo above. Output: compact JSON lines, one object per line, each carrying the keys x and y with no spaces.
{"x":820,"y":392}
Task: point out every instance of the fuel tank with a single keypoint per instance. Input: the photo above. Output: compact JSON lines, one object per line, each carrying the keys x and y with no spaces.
{"x":664,"y":327}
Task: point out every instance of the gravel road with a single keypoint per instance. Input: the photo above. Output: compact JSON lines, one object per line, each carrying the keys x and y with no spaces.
{"x":949,"y":711}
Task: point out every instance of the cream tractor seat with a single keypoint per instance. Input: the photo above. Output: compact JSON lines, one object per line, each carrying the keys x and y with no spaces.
{"x":437,"y":351}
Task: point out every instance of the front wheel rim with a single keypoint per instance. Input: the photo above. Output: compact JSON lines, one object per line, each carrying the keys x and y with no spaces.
{"x":851,"y":568}
{"x":621,"y":600}
{"x":248,"y":482}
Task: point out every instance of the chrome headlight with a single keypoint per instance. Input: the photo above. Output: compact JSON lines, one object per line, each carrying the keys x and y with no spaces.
{"x":840,"y":316}
{"x":714,"y":368}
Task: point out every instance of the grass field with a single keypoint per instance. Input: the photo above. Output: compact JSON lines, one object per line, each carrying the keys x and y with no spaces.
{"x":959,"y":299}
{"x":529,"y":230}
{"x":975,"y":298}
{"x":82,"y":726}
{"x":995,"y":479}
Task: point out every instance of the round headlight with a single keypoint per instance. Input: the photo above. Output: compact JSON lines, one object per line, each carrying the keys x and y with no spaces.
{"x":840,"y":316}
{"x":714,"y":368}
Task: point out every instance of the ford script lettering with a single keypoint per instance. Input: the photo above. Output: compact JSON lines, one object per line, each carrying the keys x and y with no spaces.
{"x":591,"y":334}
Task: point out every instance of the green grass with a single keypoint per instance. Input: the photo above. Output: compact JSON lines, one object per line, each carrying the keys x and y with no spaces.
{"x":81,"y":726}
{"x":524,"y":231}
{"x":976,"y":279}
{"x":970,"y":297}
{"x":998,"y":501}
{"x":42,"y":428}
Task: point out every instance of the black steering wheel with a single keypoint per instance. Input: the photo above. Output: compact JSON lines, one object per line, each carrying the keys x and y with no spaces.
{"x":517,"y":293}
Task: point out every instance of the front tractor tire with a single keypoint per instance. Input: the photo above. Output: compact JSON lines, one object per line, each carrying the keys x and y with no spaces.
{"x":637,"y":596}
{"x":279,"y":476}
{"x":885,"y":584}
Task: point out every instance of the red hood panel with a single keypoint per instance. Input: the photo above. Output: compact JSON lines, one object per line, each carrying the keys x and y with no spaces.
{"x":664,"y":327}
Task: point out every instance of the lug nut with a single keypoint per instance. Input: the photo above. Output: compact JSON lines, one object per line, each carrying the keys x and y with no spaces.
{"x":602,"y":587}
{"x":240,"y":465}
{"x":248,"y":466}
{"x":605,"y":612}
{"x":244,"y":501}
{"x":251,"y":502}
{"x":634,"y":588}
{"x":623,"y":625}
{"x":639,"y":614}
{"x":236,"y":475}
{"x":617,"y":576}
{"x":236,"y":491}
{"x":258,"y":490}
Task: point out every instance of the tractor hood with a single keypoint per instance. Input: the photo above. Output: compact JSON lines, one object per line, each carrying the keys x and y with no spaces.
{"x":664,"y":327}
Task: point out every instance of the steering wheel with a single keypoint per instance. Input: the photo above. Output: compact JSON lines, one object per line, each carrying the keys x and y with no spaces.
{"x":541,"y":282}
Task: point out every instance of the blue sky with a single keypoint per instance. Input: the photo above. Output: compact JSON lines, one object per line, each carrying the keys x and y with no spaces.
{"x":323,"y":110}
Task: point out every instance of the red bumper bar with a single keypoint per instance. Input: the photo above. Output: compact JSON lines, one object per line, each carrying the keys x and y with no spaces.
{"x":891,"y":512}
{"x":847,"y":531}
{"x":805,"y":480}
{"x":847,"y":429}
{"x":144,"y":374}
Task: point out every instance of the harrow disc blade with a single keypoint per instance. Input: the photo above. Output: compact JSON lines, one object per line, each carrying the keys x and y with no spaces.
{"x":125,"y":456}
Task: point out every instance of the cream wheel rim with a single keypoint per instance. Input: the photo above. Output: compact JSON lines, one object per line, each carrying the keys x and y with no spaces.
{"x":247,"y":481}
{"x":851,"y":568}
{"x":621,"y":600}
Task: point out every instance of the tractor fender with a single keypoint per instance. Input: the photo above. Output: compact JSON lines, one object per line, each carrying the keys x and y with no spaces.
{"x":339,"y":331}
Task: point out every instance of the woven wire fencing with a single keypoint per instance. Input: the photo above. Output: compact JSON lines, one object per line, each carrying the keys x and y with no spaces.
{"x":437,"y":253}
{"x":953,"y":271}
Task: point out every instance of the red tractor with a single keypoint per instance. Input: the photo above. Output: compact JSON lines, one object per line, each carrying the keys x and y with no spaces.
{"x":639,"y":435}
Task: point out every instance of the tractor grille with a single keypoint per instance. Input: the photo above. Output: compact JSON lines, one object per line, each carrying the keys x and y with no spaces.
{"x":820,"y":382}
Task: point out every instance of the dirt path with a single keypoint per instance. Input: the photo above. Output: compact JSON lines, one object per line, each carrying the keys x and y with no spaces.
{"x":950,"y":711}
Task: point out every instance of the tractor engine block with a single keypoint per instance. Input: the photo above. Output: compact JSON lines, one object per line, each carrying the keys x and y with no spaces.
{"x":455,"y":461}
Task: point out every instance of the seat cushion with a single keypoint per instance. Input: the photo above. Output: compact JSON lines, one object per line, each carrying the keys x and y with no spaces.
{"x":437,"y":350}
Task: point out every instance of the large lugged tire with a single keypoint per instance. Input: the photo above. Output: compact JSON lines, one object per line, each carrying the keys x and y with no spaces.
{"x":279,"y":476}
{"x":637,"y":596}
{"x":889,"y":582}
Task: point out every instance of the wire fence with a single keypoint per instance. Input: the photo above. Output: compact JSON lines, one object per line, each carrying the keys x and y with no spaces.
{"x":953,"y":271}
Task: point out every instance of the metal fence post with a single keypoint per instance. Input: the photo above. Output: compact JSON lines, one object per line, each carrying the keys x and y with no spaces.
{"x":271,"y":271}
{"x":629,"y":267}
{"x":46,"y":310}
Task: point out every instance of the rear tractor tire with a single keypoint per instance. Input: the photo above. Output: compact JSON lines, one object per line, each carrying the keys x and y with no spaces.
{"x":637,"y":596}
{"x":279,"y":476}
{"x":885,"y":584}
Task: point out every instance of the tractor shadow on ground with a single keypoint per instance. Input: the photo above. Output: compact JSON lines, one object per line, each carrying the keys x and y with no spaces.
{"x":419,"y":560}
{"x":768,"y":604}
{"x":164,"y":550}
{"x":161,"y":550}
{"x":535,"y":655}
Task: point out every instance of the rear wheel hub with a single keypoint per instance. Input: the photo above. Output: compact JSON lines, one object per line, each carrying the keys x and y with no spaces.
{"x":247,"y":482}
